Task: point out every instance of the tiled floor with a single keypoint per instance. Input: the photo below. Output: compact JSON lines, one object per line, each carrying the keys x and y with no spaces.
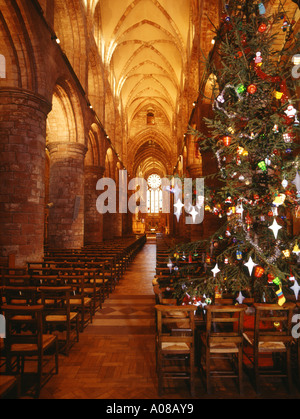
{"x":115,"y":358}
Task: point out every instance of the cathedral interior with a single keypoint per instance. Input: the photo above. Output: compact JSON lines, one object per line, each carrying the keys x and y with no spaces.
{"x":90,"y":88}
{"x":95,"y":89}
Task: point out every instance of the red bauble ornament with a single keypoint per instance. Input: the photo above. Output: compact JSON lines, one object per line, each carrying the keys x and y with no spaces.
{"x":259,"y":271}
{"x":252,"y":89}
{"x":270,"y":278}
{"x":262,"y":28}
{"x":226,"y":140}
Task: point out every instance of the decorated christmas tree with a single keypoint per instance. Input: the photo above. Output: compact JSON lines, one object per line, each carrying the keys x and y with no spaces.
{"x":254,"y":137}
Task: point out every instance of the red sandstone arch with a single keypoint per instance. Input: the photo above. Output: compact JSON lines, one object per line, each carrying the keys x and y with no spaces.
{"x":96,"y":83}
{"x":70,"y":27}
{"x":16,"y":46}
{"x":65,"y":121}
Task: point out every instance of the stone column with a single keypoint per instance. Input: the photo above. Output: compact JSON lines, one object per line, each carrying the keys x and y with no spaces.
{"x":23,"y":117}
{"x":93,"y":221}
{"x":66,"y":195}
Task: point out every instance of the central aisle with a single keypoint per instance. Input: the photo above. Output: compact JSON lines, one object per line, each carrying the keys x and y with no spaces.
{"x":115,"y":357}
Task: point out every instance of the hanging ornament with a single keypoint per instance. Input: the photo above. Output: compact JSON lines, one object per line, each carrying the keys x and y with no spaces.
{"x":170,"y":265}
{"x":262,"y":165}
{"x":261,"y":8}
{"x":296,"y":289}
{"x":285,"y":183}
{"x":279,"y":200}
{"x":258,"y":59}
{"x":228,"y":200}
{"x":252,"y":89}
{"x":179,"y":205}
{"x":286,"y":253}
{"x":291,"y":277}
{"x":239,"y":255}
{"x":216,"y":270}
{"x":285,"y":25}
{"x":281,"y":297}
{"x":226,"y":140}
{"x":275,"y":227}
{"x":259,"y":271}
{"x":248,"y":221}
{"x":218,"y":294}
{"x":275,"y":129}
{"x":240,"y":209}
{"x":288,"y":137}
{"x":271,"y":278}
{"x":262,"y":28}
{"x":240,"y":88}
{"x":208,"y":301}
{"x":240,"y":298}
{"x":296,"y":249}
{"x":250,"y":265}
{"x":227,"y":233}
{"x":290,"y":112}
{"x":278,"y":95}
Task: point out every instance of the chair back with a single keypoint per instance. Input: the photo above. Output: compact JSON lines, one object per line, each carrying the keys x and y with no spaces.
{"x":24,"y":326}
{"x":273,"y":323}
{"x":16,"y":280}
{"x":175,"y":323}
{"x":224,"y":323}
{"x":56,"y":301}
{"x":20,"y":295}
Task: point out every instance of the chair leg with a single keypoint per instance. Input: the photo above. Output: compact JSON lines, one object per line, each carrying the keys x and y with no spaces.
{"x":256,"y":374}
{"x":240,"y":371}
{"x":56,"y":356}
{"x":192,"y":374}
{"x":39,"y":376}
{"x":160,"y":375}
{"x":289,"y":369}
{"x":208,"y":380}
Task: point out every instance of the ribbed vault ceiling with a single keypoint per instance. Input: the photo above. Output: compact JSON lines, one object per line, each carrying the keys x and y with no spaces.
{"x":144,"y":45}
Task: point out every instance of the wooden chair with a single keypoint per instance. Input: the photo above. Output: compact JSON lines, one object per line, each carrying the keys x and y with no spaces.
{"x":25,"y":340}
{"x":223,"y":338}
{"x":79,"y":301}
{"x":272,"y":336}
{"x":175,"y":344}
{"x":58,"y":318}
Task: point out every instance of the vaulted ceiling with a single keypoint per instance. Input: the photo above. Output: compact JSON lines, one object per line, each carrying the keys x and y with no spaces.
{"x":146,"y":48}
{"x":145,"y":44}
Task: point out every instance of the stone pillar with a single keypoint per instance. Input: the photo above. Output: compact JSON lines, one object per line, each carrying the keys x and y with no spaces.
{"x":66,"y":195}
{"x":22,"y":169}
{"x":93,"y":221}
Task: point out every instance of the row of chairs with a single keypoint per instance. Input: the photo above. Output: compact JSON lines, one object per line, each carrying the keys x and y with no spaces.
{"x":182,"y":337}
{"x":45,"y":314}
{"x":221,"y":331}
